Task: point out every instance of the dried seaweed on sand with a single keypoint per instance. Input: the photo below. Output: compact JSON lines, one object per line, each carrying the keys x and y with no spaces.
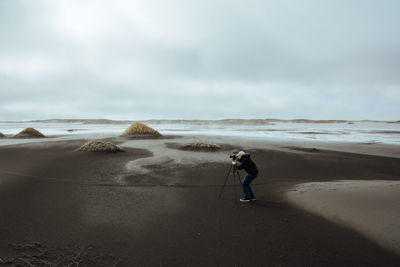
{"x":200,"y":146}
{"x":37,"y":254}
{"x":100,"y":146}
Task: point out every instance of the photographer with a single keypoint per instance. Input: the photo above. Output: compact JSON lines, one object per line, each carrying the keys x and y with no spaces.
{"x":243,"y":161}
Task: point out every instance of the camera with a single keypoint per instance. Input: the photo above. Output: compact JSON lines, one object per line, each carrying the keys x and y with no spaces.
{"x":233,"y":157}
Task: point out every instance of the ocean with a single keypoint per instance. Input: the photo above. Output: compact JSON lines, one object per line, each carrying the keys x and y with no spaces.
{"x":270,"y":129}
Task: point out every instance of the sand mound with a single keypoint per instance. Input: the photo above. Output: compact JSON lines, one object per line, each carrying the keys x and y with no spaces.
{"x":100,"y":146}
{"x":139,"y":128}
{"x":200,"y":146}
{"x":29,"y":133}
{"x":2,"y":135}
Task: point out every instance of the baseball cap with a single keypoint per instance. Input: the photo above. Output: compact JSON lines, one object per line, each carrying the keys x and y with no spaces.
{"x":240,"y":153}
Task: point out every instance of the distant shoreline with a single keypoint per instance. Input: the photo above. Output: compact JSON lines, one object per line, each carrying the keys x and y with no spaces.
{"x":224,"y":121}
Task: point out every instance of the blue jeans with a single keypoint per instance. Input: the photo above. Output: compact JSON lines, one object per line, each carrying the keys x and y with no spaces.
{"x":248,"y":192}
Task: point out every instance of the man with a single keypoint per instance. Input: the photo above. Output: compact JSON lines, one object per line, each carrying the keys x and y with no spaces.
{"x":243,"y":161}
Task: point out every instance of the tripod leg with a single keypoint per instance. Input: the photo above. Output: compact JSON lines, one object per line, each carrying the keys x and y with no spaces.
{"x":226,"y":179}
{"x":236,"y":173}
{"x":234,"y":185}
{"x":238,"y":176}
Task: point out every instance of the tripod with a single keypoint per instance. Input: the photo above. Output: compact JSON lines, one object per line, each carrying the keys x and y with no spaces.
{"x":235,"y":173}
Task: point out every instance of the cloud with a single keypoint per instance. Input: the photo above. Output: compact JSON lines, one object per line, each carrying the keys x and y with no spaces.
{"x":199,"y":59}
{"x":29,"y":67}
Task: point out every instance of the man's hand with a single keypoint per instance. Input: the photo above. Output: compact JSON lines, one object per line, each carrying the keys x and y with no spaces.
{"x":233,"y":162}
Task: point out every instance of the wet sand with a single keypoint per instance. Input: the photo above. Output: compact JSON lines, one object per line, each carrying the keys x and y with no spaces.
{"x":170,"y":215}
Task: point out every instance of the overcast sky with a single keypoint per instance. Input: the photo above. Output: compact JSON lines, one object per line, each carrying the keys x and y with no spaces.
{"x":205,"y":59}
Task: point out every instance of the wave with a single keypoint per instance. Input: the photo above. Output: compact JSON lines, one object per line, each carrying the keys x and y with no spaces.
{"x":311,"y":132}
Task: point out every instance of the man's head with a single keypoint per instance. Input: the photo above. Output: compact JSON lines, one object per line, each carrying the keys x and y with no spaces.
{"x":240,"y":154}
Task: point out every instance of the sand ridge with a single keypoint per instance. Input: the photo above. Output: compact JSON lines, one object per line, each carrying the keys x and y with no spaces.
{"x":370,"y":207}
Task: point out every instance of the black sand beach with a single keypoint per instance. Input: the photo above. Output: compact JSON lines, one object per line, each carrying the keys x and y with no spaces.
{"x":73,"y":205}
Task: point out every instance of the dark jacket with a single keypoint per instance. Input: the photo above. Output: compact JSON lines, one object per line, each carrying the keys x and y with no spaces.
{"x":247,"y":164}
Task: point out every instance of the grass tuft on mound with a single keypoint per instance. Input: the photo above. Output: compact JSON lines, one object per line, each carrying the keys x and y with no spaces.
{"x":100,"y":146}
{"x":139,"y":128}
{"x":29,"y":133}
{"x":201,"y":146}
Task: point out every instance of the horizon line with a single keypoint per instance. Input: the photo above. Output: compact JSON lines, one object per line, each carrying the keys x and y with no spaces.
{"x":225,"y":119}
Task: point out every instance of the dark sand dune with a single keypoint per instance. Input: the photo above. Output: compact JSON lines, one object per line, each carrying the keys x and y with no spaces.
{"x":303,"y":149}
{"x":53,"y":195}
